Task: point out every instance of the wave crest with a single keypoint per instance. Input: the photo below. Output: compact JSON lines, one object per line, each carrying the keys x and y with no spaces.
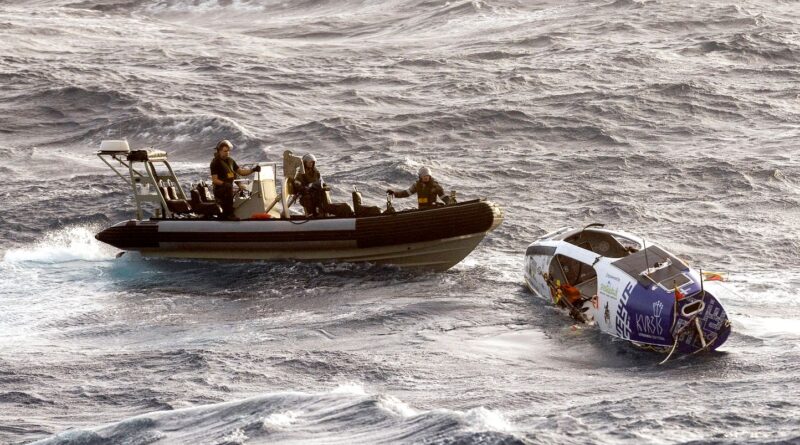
{"x":75,"y":243}
{"x":338,"y":416}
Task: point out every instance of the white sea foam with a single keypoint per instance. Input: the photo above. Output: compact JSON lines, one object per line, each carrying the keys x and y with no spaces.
{"x":76,"y":243}
{"x":353,"y":388}
{"x":484,"y":419}
{"x":204,"y":6}
{"x":283,"y":419}
{"x":236,"y":436}
{"x":773,"y":328}
{"x":396,"y":406}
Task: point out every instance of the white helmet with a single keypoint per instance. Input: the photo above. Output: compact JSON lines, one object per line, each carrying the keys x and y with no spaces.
{"x":223,"y":143}
{"x":309,"y":157}
{"x":424,"y":171}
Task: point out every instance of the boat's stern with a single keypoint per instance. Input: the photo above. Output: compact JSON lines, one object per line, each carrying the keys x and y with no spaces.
{"x":701,"y":323}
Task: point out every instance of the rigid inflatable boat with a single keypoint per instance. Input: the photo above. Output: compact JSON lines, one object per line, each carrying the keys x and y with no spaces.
{"x":628,"y":288}
{"x":169,"y":224}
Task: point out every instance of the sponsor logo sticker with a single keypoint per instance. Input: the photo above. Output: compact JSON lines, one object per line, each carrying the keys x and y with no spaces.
{"x":609,"y":287}
{"x":650,"y":326}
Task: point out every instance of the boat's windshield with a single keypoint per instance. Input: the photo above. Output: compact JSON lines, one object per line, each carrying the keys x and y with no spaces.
{"x":629,"y":244}
{"x":603,"y":243}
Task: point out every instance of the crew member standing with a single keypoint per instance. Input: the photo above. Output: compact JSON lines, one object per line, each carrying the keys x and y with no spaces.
{"x":426,"y":188}
{"x":223,"y":171}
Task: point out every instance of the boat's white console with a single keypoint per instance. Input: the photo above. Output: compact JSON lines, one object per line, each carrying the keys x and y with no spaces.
{"x":260,"y":194}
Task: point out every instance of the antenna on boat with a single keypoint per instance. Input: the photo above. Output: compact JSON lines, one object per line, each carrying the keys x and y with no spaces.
{"x":702,"y":289}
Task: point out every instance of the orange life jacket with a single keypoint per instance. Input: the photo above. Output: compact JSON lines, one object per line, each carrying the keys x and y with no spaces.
{"x":571,"y":292}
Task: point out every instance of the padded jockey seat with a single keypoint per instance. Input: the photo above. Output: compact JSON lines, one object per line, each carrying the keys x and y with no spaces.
{"x":204,"y":193}
{"x":337,"y":209}
{"x":362,"y":210}
{"x":179,"y":206}
{"x":203,"y":206}
{"x":175,"y":205}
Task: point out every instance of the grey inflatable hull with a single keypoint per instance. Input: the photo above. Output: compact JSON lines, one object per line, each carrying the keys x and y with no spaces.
{"x":434,"y":239}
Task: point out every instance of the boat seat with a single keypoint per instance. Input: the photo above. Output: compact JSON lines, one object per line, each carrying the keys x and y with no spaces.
{"x":173,"y":194}
{"x":203,"y":207}
{"x":362,"y":210}
{"x":204,"y":192}
{"x":179,"y":206}
{"x":339,"y":210}
{"x":175,"y":205}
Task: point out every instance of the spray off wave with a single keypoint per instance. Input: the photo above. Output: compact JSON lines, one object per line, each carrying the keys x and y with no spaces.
{"x":75,"y":243}
{"x":340,"y":416}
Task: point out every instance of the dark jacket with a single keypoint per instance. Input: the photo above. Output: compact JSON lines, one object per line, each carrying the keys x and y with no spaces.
{"x":311,"y":198}
{"x":426,"y":193}
{"x":308,"y":178}
{"x":225,"y":170}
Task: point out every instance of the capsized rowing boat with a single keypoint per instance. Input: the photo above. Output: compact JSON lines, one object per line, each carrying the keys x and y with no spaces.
{"x":628,"y":288}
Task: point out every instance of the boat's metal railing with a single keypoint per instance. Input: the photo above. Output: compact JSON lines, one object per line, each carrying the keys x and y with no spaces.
{"x":149,"y":175}
{"x":143,"y":176}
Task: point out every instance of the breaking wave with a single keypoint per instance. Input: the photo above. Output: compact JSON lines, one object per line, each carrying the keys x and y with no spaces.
{"x":75,"y":243}
{"x":345,"y":415}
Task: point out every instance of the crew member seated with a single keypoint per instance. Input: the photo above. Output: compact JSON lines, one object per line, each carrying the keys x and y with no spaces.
{"x":309,"y":184}
{"x":426,"y":188}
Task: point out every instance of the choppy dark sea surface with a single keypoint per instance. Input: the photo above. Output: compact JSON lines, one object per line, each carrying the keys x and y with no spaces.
{"x":674,"y":120}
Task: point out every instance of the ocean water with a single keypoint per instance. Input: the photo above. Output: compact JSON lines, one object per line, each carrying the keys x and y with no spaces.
{"x":675,"y":120}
